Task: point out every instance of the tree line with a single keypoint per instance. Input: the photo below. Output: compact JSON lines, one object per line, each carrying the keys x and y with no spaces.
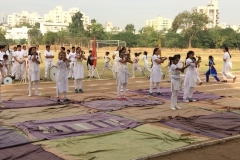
{"x":188,"y":30}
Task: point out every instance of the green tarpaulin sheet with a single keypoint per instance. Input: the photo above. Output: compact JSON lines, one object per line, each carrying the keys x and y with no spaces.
{"x":120,"y":145}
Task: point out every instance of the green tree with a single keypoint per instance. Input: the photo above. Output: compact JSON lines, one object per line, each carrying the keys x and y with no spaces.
{"x":35,"y":36}
{"x":28,"y":25}
{"x":76,"y":28}
{"x":149,"y":37}
{"x":37,"y":25}
{"x":23,"y":41}
{"x":130,"y":28}
{"x":51,"y":38}
{"x":130,"y":38}
{"x":93,"y":21}
{"x":2,"y":36}
{"x":190,"y":24}
{"x":96,"y":29}
{"x":175,"y":40}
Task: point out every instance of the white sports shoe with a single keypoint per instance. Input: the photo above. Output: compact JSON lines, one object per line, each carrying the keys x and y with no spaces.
{"x":192,"y":100}
{"x":172,"y":108}
{"x":186,"y":100}
{"x":29,"y":95}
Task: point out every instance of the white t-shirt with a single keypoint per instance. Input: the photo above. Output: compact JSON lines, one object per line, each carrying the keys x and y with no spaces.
{"x":121,"y":65}
{"x":135,"y":60}
{"x":46,"y":53}
{"x":116,"y":54}
{"x":227,"y":57}
{"x":24,"y":51}
{"x":1,"y":55}
{"x":145,"y":59}
{"x":154,"y":57}
{"x":106,"y":59}
{"x":180,"y":63}
{"x":20,"y":55}
{"x":175,"y":73}
{"x":72,"y":56}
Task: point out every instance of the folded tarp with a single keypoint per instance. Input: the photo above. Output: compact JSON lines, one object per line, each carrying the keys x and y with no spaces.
{"x":166,"y":92}
{"x":28,"y":103}
{"x":160,"y":112}
{"x":120,"y":145}
{"x":9,"y":138}
{"x":219,"y":125}
{"x":75,"y":125}
{"x":112,"y":105}
{"x":26,"y":152}
{"x":9,"y":116}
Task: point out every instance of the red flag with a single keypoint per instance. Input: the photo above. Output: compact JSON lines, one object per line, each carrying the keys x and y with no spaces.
{"x":94,"y":51}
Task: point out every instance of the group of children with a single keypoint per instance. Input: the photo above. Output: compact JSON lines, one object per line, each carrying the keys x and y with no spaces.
{"x":70,"y":65}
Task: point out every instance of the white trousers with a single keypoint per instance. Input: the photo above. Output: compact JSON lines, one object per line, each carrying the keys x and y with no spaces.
{"x":151,"y":86}
{"x":124,"y":87}
{"x":136,"y":69}
{"x":146,"y":67}
{"x":107,"y":66}
{"x":48,"y":65}
{"x":20,"y":70}
{"x":70,"y":71}
{"x":188,"y":92}
{"x":35,"y":86}
{"x":90,"y":70}
{"x":174,"y":99}
{"x":64,"y":94}
{"x":78,"y":83}
{"x":13,"y":69}
{"x":225,"y":75}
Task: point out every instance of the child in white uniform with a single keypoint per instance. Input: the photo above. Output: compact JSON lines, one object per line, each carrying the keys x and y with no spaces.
{"x":190,"y":77}
{"x":5,"y":63}
{"x":156,"y":73}
{"x":78,"y":70}
{"x":227,"y":66}
{"x":107,"y":63}
{"x":115,"y":62}
{"x":169,"y":69}
{"x":145,"y":61}
{"x":135,"y":65}
{"x":62,"y":76}
{"x":72,"y":59}
{"x":20,"y":63}
{"x":34,"y":70}
{"x":123,"y":72}
{"x":181,"y":65}
{"x":48,"y":61}
{"x":1,"y":80}
{"x":175,"y":70}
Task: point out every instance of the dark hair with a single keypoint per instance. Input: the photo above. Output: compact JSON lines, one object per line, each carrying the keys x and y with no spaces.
{"x":14,"y":47}
{"x":107,"y":53}
{"x":47,"y":46}
{"x":73,"y":47}
{"x":19,"y":46}
{"x":210,"y":57}
{"x":155,"y":49}
{"x":226,"y":48}
{"x":77,"y":48}
{"x":63,"y":48}
{"x":170,"y":60}
{"x":30,"y":50}
{"x":68,"y":50}
{"x":145,"y":52}
{"x":123,"y":48}
{"x":90,"y":51}
{"x":178,"y":56}
{"x":5,"y":56}
{"x":118,"y":48}
{"x":137,"y":54}
{"x":188,"y":54}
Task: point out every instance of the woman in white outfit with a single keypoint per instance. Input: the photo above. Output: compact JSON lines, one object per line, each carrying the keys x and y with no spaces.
{"x":146,"y":64}
{"x":62,"y":76}
{"x":156,"y":72}
{"x":190,"y":77}
{"x":227,"y":66}
{"x":115,"y":62}
{"x":78,"y":70}
{"x":123,"y":72}
{"x":33,"y":70}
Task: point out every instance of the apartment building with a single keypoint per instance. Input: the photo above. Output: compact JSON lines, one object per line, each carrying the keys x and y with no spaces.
{"x":160,"y":23}
{"x":211,"y":10}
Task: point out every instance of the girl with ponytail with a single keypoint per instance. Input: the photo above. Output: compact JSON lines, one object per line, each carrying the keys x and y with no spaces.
{"x":227,"y":66}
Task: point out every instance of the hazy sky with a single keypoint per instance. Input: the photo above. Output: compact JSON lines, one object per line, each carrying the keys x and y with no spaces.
{"x":122,"y":12}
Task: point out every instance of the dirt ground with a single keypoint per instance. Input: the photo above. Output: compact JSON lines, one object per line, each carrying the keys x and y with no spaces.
{"x":224,"y":151}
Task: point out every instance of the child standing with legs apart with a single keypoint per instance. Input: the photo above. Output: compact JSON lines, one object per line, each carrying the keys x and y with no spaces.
{"x":211,"y":70}
{"x":78,"y":70}
{"x":136,"y":66}
{"x":156,"y":72}
{"x":107,"y":63}
{"x":227,"y":66}
{"x":191,"y":77}
{"x":1,"y":80}
{"x":197,"y":71}
{"x":175,"y":70}
{"x":62,"y":76}
{"x":34,"y":70}
{"x":123,"y":73}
